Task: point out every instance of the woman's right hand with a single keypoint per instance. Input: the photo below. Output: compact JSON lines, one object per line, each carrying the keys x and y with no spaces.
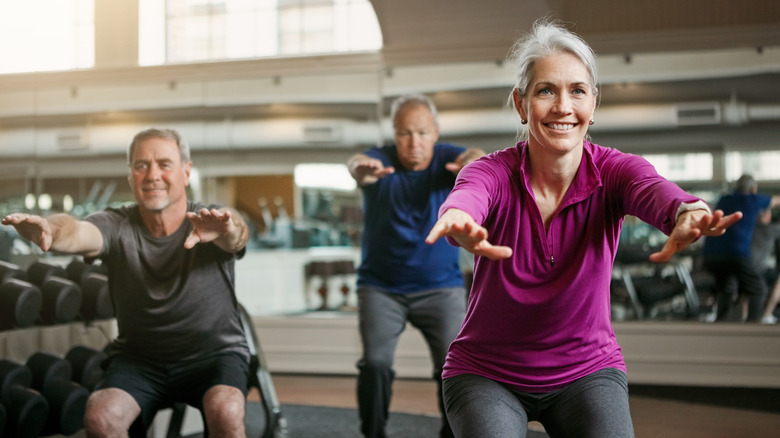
{"x":458,"y":225}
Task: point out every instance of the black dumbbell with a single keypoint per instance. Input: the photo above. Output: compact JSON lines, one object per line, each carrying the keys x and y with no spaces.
{"x":10,"y":270}
{"x":61,"y":296}
{"x":96,"y":300}
{"x":87,"y":365}
{"x":61,"y":300}
{"x":51,"y":375}
{"x":26,"y":409}
{"x":21,"y":301}
{"x":20,"y":304}
{"x":78,"y":270}
{"x":38,"y":272}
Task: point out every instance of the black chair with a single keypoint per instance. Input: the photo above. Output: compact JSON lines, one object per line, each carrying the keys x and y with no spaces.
{"x":260,"y":378}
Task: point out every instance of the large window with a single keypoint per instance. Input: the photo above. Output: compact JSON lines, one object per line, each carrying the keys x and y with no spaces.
{"x":682,"y":167}
{"x":44,"y":35}
{"x":762,"y":165}
{"x":181,"y":31}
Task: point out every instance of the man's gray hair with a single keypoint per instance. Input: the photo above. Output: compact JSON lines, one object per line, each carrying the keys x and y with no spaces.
{"x":746,"y":184}
{"x":168,"y":134}
{"x":408,"y":100}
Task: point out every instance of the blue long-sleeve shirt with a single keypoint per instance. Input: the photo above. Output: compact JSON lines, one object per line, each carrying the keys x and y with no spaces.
{"x":400,"y":210}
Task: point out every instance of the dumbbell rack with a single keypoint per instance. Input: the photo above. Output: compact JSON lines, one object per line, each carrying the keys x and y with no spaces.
{"x":55,"y":336}
{"x":55,"y":333}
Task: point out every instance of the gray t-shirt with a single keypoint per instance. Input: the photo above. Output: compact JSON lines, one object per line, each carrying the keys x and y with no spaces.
{"x":172,"y":304}
{"x":763,"y":243}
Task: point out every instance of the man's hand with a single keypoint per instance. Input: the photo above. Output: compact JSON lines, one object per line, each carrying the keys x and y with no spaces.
{"x":31,"y":227}
{"x":209,"y":225}
{"x":458,"y":225}
{"x":690,"y":226}
{"x":367,"y":170}
{"x":58,"y":233}
{"x":463,"y":159}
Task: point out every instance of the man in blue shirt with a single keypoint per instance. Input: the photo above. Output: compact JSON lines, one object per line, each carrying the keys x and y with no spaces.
{"x":728,"y":257}
{"x":401,"y":278}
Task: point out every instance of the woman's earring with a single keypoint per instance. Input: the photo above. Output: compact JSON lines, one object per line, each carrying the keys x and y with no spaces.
{"x":591,"y":122}
{"x":523,"y":121}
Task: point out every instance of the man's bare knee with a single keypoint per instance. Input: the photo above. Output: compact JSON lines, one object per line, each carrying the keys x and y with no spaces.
{"x":109,"y":413}
{"x":224,"y":411}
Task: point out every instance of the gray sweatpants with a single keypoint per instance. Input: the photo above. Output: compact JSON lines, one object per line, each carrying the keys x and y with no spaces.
{"x":437,"y":313}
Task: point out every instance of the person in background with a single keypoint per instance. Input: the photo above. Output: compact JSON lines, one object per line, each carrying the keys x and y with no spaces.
{"x":728,"y":257}
{"x":171,"y":274}
{"x":764,"y":242}
{"x":401,"y":278}
{"x":543,"y":219}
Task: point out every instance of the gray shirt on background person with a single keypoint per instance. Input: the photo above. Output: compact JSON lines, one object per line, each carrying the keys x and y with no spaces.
{"x":765,"y":235}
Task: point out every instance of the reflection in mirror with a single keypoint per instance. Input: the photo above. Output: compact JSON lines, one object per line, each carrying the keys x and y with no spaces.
{"x":684,"y":289}
{"x":678,"y":290}
{"x":331,"y":206}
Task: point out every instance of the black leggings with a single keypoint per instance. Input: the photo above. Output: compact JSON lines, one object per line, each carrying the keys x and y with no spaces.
{"x":595,"y":406}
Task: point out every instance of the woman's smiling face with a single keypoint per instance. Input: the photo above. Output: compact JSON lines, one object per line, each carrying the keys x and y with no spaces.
{"x":559,"y":103}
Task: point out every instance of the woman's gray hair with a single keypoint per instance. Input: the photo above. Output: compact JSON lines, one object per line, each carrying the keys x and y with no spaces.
{"x":411,"y":100}
{"x":168,"y":134}
{"x":547,"y":38}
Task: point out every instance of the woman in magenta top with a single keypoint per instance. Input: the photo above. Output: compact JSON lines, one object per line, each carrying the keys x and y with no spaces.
{"x":543,"y":219}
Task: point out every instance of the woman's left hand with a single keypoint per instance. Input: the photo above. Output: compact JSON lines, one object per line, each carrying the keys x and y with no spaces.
{"x":691,"y":225}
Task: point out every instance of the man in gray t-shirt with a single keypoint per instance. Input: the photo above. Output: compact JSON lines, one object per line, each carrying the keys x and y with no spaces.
{"x":170,"y":264}
{"x":172,"y":305}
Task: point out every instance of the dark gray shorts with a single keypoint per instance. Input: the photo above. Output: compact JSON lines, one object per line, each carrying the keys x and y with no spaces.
{"x":155,"y":386}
